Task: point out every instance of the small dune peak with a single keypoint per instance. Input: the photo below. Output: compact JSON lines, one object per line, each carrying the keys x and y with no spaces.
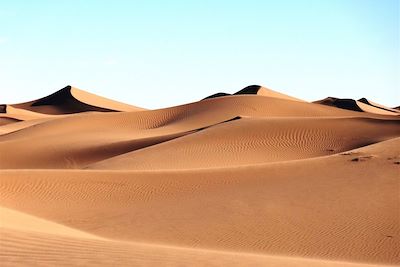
{"x":249,"y":90}
{"x":61,"y":96}
{"x":220,"y":94}
{"x":264,"y":91}
{"x":363,"y":100}
{"x":344,"y":103}
{"x":256,"y":90}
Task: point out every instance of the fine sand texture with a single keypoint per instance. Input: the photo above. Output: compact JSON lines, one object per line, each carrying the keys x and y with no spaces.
{"x":254,"y":178}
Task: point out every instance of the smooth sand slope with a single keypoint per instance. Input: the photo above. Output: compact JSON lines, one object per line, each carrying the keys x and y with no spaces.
{"x":303,"y":208}
{"x":250,"y":179}
{"x":255,"y":141}
{"x":75,"y":142}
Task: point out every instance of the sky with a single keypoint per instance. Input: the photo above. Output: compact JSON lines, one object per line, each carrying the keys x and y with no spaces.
{"x":156,"y":54}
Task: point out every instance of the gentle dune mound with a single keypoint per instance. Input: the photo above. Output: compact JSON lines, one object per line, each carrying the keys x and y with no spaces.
{"x":74,"y":141}
{"x":72,"y":100}
{"x":256,"y":141}
{"x":327,"y":208}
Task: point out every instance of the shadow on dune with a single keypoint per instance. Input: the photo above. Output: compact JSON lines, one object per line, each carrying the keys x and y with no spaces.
{"x":344,"y":103}
{"x":249,"y":90}
{"x":60,"y":102}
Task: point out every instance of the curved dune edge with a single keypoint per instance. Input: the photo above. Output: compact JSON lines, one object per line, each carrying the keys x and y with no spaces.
{"x":20,"y":248}
{"x":23,"y":114}
{"x":99,"y":101}
{"x":17,"y":221}
{"x":264,"y":91}
{"x":73,"y":100}
{"x":256,"y":141}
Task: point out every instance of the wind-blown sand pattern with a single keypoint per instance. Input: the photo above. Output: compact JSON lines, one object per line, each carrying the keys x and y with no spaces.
{"x":256,"y":178}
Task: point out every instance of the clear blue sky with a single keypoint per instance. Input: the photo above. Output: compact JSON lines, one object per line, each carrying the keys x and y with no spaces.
{"x":161,"y":53}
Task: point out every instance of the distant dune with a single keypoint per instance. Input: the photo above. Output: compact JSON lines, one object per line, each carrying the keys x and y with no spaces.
{"x":256,"y":90}
{"x":73,"y":100}
{"x":361,"y":105}
{"x":254,"y":178}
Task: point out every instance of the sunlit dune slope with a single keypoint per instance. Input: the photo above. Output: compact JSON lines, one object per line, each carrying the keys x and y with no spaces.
{"x":339,"y":207}
{"x":74,"y":141}
{"x":253,"y":141}
{"x":257,"y":178}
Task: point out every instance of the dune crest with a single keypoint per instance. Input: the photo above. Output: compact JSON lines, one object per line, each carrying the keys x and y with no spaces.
{"x":264,"y":91}
{"x":362,"y":105}
{"x":256,"y":90}
{"x":73,"y":100}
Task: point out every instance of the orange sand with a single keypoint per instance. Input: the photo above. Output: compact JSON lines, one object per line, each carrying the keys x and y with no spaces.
{"x":257,"y":178}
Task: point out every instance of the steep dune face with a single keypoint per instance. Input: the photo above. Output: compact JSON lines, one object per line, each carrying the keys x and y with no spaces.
{"x":72,"y":100}
{"x":257,"y":178}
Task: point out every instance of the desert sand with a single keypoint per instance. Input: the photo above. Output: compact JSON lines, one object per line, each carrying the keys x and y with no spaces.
{"x":253,"y":178}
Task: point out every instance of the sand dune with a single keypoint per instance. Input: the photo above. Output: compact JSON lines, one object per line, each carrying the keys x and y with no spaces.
{"x":254,"y":141}
{"x":362,"y":105}
{"x":256,"y":90}
{"x":257,"y":178}
{"x":263,"y":91}
{"x":369,"y":102}
{"x":73,"y":142}
{"x":274,"y":209}
{"x":72,"y":100}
